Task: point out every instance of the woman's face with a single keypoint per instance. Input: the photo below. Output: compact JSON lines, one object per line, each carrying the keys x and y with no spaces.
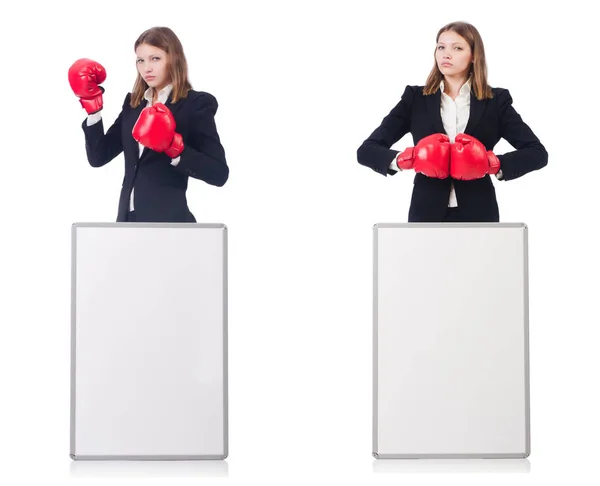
{"x":152,"y":66}
{"x":453,"y":55}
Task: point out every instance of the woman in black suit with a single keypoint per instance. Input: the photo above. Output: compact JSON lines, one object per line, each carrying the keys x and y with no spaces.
{"x":456,"y":119}
{"x":166,"y":130}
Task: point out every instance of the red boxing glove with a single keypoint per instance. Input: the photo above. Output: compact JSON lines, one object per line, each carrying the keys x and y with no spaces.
{"x":85,"y":76}
{"x":470,"y":160}
{"x":155,"y":129}
{"x":430,"y":157}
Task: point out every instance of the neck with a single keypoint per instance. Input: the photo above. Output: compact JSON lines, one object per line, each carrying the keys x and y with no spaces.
{"x":452,"y":84}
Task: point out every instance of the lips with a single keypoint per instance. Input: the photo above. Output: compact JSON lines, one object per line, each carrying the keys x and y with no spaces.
{"x":447,"y":64}
{"x":150,"y":78}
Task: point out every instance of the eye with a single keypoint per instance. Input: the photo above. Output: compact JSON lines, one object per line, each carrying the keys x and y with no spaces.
{"x":440,"y":47}
{"x":156,"y":58}
{"x":459,"y":48}
{"x":139,"y":60}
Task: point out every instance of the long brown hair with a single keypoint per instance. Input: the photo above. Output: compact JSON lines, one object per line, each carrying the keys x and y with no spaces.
{"x":165,"y":39}
{"x":478,"y":72}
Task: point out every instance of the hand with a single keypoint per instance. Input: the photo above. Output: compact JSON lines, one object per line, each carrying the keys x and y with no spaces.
{"x":470,"y":160}
{"x":85,"y":76}
{"x":155,"y":129}
{"x":431,"y":156}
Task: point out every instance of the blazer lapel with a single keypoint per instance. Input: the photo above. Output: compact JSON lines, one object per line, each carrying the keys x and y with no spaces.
{"x":433,"y":103}
{"x":476,"y":109}
{"x":174,"y":107}
{"x":135,"y":114}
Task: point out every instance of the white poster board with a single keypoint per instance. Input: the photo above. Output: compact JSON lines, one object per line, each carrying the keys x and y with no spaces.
{"x":149,"y":341}
{"x":451,"y":370}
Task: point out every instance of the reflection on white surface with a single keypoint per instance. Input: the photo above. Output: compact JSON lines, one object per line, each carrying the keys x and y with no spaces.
{"x":451,"y":465}
{"x":203,"y":468}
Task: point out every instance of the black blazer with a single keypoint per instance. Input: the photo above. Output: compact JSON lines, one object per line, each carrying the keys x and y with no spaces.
{"x":160,"y":187}
{"x":489,"y":120}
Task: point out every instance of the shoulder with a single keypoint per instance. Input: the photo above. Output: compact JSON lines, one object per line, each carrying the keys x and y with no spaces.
{"x":201,"y":100}
{"x":503,"y":99}
{"x":501,"y":94}
{"x":127,"y":101}
{"x":413,"y":90}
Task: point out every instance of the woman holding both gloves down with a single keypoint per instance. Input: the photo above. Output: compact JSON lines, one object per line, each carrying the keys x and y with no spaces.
{"x":456,"y":119}
{"x":166,"y":130}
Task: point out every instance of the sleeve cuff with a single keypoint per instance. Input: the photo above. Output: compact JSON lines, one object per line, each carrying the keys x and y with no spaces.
{"x":175,"y":161}
{"x":93,"y":119}
{"x":394,"y":165}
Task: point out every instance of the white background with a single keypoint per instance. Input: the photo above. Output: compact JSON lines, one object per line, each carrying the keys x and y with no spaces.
{"x":300,"y":85}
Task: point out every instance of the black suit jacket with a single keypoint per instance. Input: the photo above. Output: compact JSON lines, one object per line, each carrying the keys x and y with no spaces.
{"x":160,"y":187}
{"x":489,"y":120}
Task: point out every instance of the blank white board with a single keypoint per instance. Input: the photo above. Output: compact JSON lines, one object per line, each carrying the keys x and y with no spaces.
{"x":451,"y":362}
{"x":149,"y":341}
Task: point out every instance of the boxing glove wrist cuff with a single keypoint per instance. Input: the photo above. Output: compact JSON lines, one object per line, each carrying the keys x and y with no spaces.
{"x":494,"y":163}
{"x":93,"y":105}
{"x":406,"y":159}
{"x":176,"y":146}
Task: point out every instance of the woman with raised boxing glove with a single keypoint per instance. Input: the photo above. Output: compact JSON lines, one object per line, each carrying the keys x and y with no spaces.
{"x":456,"y":119}
{"x":165,"y":129}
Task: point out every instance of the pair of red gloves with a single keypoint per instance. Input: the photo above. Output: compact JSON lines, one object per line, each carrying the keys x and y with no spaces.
{"x":155,"y":127}
{"x":465,"y":159}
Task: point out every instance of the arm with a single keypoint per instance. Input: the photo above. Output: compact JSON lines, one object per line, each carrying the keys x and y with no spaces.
{"x":101,"y":148}
{"x":375,"y":151}
{"x":203,"y":156}
{"x":530,"y":154}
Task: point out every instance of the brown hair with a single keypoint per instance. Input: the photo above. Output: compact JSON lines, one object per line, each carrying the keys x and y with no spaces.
{"x":165,"y":39}
{"x":478,"y":71}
